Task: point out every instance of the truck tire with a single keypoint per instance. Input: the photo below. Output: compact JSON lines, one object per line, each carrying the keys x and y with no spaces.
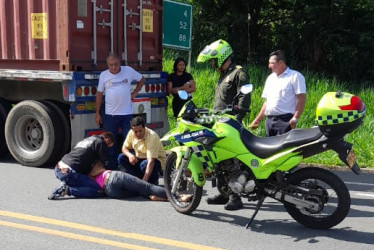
{"x":4,"y":110}
{"x":33,"y":134}
{"x":63,"y":119}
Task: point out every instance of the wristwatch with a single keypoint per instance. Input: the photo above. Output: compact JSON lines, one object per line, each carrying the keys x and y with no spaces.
{"x":294,"y":120}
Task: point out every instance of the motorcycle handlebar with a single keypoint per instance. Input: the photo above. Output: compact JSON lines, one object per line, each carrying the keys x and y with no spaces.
{"x":213,"y":112}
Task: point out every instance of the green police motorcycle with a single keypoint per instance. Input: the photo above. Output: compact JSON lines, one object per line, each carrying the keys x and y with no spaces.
{"x":208,"y":143}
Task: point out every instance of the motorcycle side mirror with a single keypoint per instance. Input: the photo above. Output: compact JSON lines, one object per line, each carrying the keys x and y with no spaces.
{"x":246,"y":89}
{"x":183,"y":94}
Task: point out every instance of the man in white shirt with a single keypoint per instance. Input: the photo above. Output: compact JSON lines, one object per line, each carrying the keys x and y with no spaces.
{"x":284,"y":95}
{"x":115,"y":83}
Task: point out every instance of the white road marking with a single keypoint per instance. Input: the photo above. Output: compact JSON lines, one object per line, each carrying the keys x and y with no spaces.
{"x":359,"y":183}
{"x":363,"y":194}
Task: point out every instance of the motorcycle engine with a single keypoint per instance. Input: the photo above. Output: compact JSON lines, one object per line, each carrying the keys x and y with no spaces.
{"x":238,"y":179}
{"x":242,"y":184}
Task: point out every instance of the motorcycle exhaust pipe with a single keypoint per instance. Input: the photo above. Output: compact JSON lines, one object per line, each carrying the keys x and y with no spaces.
{"x":298,"y":202}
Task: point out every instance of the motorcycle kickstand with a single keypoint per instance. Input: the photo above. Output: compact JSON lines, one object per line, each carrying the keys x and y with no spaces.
{"x":258,"y":206}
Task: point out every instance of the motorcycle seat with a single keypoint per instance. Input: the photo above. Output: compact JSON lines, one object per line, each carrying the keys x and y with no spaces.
{"x":264,"y":147}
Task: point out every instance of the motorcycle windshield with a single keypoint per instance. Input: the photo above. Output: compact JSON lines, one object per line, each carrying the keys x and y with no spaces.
{"x":188,"y":111}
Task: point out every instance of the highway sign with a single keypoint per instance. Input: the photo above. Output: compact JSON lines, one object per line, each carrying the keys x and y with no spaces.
{"x":177,"y":25}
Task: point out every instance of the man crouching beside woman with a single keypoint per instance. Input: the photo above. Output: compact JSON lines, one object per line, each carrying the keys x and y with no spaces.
{"x":85,"y":172}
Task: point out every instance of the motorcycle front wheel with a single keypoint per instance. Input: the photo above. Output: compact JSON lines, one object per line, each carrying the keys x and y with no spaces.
{"x":188,"y":195}
{"x":333,"y":198}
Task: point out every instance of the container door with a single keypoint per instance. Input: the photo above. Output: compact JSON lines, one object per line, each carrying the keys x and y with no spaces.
{"x":90,"y":33}
{"x":140,"y":42}
{"x":129,"y":28}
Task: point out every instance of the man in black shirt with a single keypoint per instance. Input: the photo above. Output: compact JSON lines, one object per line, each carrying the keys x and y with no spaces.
{"x":74,"y":167}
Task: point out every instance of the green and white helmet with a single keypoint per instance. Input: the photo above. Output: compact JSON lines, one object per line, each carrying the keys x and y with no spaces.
{"x":219,"y":50}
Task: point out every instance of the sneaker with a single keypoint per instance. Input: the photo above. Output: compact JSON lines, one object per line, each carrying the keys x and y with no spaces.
{"x":58,"y":192}
{"x":234,"y":204}
{"x":217,"y":200}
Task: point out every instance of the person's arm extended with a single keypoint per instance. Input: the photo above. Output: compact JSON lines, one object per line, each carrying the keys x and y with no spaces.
{"x":149,"y":169}
{"x":243,"y":100}
{"x":301,"y":98}
{"x":299,"y":109}
{"x":132,"y":158}
{"x":170,"y":88}
{"x":256,"y":122}
{"x":138,"y":87}
{"x":99,"y":100}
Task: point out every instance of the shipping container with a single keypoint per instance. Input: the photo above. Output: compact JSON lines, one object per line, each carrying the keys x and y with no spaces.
{"x":76,"y":35}
{"x":51,"y":55}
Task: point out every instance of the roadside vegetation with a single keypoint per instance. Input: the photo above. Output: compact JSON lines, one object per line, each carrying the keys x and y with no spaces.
{"x":362,"y":139}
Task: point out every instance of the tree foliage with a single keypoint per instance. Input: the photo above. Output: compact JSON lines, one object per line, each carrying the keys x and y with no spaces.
{"x":331,"y":37}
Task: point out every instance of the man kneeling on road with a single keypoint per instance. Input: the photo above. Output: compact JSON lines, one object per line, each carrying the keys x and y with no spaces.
{"x":83,"y":174}
{"x":74,"y":167}
{"x":142,"y":153}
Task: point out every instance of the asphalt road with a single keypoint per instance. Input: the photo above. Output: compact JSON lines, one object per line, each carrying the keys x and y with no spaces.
{"x":28,"y":220}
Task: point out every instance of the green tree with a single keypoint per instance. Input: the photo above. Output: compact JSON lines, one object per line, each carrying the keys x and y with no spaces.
{"x":331,"y":37}
{"x":220,"y":19}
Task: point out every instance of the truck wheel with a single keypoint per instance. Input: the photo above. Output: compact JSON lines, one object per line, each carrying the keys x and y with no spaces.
{"x":64,"y":123}
{"x":4,"y":110}
{"x":33,"y":134}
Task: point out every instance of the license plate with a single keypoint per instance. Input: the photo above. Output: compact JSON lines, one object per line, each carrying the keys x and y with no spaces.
{"x":351,"y":158}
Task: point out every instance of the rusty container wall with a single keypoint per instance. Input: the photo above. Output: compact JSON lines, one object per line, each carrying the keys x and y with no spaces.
{"x":77,"y":35}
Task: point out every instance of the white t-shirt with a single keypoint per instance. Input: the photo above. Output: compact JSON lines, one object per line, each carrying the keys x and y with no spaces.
{"x":280,"y":92}
{"x":117,"y":90}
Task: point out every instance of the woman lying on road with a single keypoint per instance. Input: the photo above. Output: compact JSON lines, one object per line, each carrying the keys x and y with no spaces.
{"x":118,"y":185}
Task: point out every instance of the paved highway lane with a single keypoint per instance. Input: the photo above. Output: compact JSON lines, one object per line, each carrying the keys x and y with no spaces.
{"x":28,"y":220}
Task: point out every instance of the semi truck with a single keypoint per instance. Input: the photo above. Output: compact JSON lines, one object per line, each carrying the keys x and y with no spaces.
{"x":51,"y":56}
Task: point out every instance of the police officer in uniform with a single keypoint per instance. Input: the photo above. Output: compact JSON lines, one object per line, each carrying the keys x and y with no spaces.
{"x":232,"y":78}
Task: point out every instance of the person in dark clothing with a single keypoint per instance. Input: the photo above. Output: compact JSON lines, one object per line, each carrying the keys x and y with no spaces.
{"x":180,"y":80}
{"x":73,"y":169}
{"x":232,"y":78}
{"x":120,"y":185}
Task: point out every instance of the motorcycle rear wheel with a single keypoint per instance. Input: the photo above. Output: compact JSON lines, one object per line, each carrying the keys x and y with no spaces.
{"x":187,"y":188}
{"x":334,"y":203}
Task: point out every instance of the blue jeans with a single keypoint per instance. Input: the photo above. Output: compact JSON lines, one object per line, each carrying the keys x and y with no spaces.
{"x":112,"y":123}
{"x":79,"y":185}
{"x":122,"y":185}
{"x":139,"y":168}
